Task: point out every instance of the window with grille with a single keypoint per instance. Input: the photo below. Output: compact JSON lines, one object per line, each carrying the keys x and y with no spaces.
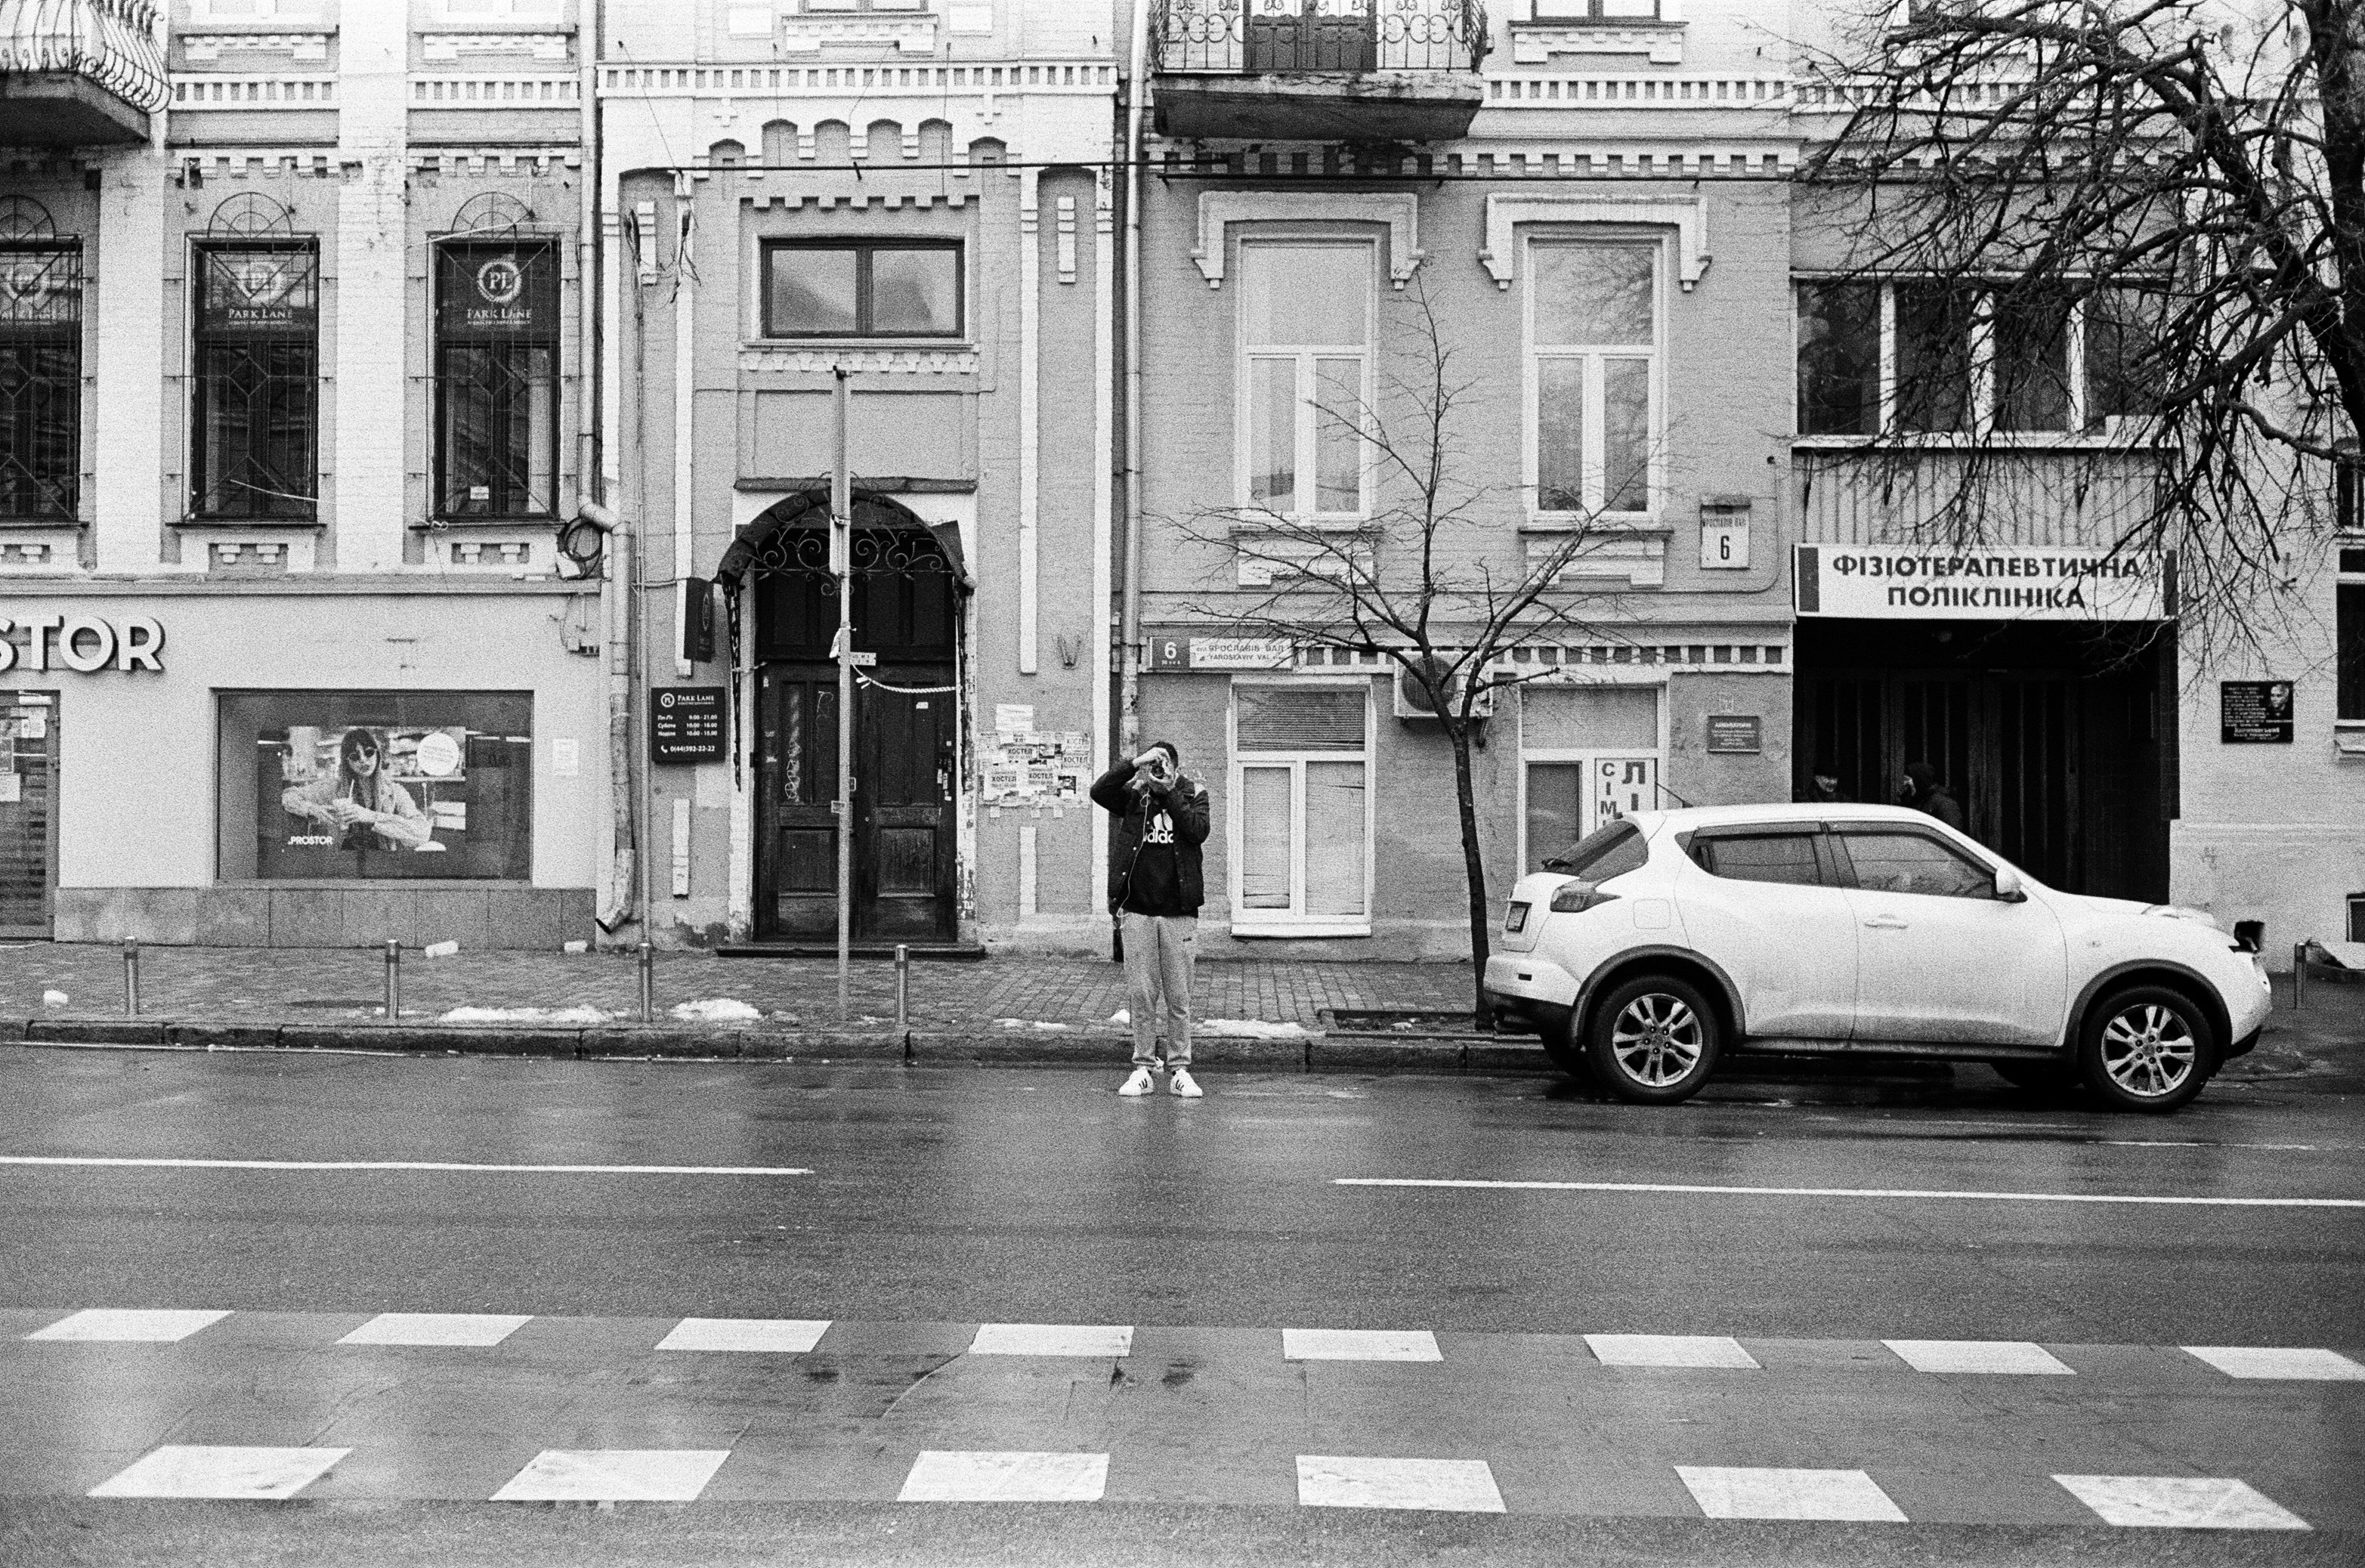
{"x":496,"y":380}
{"x":255,"y":409}
{"x":40,"y":381}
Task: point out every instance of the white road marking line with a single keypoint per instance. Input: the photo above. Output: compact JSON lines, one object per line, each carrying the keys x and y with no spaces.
{"x":613,"y":1475}
{"x":2265,"y":1362}
{"x":1849,"y":1193}
{"x":1725,"y":1492}
{"x":1347,"y":1480}
{"x":2180,"y":1501}
{"x":2006,"y":1356}
{"x":122,"y":1326}
{"x":476,"y":1329}
{"x":1050,"y":1340}
{"x":1669,"y":1350}
{"x":780,"y":1336}
{"x":1359,"y":1345}
{"x":260,"y":1474}
{"x":444,"y":1165}
{"x":1002,"y":1475}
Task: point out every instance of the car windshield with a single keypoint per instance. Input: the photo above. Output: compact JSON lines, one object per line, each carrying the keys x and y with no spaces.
{"x":1611,"y":850}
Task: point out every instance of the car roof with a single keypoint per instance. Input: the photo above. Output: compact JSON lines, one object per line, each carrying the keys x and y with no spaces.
{"x":1690,"y":817}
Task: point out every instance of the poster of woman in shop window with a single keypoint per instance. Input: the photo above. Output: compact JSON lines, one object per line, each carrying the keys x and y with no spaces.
{"x":355,"y":803}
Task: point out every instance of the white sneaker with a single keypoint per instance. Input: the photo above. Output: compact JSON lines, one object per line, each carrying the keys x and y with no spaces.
{"x":1142,"y":1082}
{"x":1182,"y":1083}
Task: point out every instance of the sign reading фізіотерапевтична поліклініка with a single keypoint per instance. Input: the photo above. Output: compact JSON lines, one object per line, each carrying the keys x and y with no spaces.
{"x":2031,"y":582}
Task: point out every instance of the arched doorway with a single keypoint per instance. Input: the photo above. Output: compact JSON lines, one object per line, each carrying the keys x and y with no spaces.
{"x":907,"y":589}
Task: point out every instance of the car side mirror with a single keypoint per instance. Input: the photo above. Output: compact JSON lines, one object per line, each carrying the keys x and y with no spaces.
{"x":2008,"y":887}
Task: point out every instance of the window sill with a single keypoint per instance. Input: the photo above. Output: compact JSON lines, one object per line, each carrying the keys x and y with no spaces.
{"x":290,"y":523}
{"x":861,"y":345}
{"x":1599,"y":23}
{"x":40,"y":524}
{"x":510,"y":524}
{"x":1641,"y":523}
{"x":1277,"y":523}
{"x":1266,"y":925}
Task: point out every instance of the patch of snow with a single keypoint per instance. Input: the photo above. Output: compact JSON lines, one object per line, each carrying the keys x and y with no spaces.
{"x":441,"y":949}
{"x":524,"y":1015}
{"x":716,"y":1010}
{"x":54,"y":999}
{"x":1030,"y":1024}
{"x":1248,"y":1029}
{"x":1122,"y":1016}
{"x":578,"y":945}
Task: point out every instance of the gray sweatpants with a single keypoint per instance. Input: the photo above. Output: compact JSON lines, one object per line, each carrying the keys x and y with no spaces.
{"x":1159,"y":952}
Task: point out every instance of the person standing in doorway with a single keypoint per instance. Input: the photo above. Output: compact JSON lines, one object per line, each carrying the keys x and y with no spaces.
{"x":1154,"y":891}
{"x":1922,"y":790}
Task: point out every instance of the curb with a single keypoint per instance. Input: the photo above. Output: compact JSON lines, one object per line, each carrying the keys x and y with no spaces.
{"x":1314,"y":1052}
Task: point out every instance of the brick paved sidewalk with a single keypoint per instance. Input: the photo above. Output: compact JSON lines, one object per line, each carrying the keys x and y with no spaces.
{"x":329,"y":986}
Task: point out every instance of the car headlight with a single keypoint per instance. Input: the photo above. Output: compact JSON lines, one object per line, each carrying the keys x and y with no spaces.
{"x":2184,"y":912}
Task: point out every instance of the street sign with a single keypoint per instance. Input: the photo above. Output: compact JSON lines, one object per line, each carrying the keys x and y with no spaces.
{"x":863,"y":658}
{"x":685,"y":723}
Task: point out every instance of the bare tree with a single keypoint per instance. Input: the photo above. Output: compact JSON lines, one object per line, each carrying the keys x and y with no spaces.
{"x":2139,"y":221}
{"x":1434,"y":582}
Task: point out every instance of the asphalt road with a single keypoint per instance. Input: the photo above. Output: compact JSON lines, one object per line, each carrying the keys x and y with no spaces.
{"x":930,"y":1201}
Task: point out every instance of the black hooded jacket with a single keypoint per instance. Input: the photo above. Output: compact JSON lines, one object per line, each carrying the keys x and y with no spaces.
{"x":1155,"y":878}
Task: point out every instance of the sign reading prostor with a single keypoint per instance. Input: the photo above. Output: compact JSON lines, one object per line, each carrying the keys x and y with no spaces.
{"x":83,"y":644}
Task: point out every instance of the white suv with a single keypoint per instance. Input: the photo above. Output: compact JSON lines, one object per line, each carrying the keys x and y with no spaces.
{"x":1668,"y":939}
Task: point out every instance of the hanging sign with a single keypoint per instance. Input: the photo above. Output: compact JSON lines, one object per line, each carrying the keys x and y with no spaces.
{"x":685,"y":723}
{"x":2030,"y":582}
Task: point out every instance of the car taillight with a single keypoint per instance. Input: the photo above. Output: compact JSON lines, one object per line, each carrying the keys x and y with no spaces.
{"x":1515,"y":920}
{"x":1576,"y":897}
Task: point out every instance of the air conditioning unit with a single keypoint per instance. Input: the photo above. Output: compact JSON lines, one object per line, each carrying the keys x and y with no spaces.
{"x":1412,"y":697}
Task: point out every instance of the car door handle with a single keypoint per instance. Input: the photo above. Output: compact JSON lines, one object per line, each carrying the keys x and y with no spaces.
{"x":1885,"y":922}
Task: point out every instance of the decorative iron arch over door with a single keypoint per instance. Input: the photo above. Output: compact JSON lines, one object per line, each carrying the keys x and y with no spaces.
{"x":907,"y":591}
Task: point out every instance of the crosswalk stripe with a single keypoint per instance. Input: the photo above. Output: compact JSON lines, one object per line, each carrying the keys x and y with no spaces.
{"x":478,"y":1329}
{"x":2172,"y":1199}
{"x":942,"y":1475}
{"x":2180,"y":1501}
{"x":1346,"y":1481}
{"x":1669,"y":1350}
{"x":1050,"y":1339}
{"x":2002,"y":1356}
{"x":461,"y":1167}
{"x":1359,"y":1345}
{"x":2266,"y":1362}
{"x":777,"y":1336}
{"x":189,"y":1471}
{"x":101,"y":1325}
{"x":613,"y":1475}
{"x":1741,"y":1491}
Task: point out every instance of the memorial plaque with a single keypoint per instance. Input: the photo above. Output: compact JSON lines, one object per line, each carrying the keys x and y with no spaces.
{"x":2254,"y":713}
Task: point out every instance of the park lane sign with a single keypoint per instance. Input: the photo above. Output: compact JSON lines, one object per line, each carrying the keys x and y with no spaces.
{"x":2024,"y":582}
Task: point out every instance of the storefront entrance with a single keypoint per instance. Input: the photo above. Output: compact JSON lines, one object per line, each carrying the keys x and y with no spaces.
{"x":28,"y":823}
{"x":906,"y":728}
{"x":2059,"y":741}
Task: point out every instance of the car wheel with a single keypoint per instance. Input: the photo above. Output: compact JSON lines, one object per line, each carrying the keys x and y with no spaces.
{"x":2146,"y":1049}
{"x":1653,"y":1040}
{"x":2044,"y":1075}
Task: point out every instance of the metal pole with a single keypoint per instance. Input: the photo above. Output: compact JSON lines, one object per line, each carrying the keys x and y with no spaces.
{"x":648,"y":981}
{"x":902,"y":986}
{"x":841,"y":545}
{"x":130,"y":979}
{"x":393,"y":980}
{"x":2299,"y":976}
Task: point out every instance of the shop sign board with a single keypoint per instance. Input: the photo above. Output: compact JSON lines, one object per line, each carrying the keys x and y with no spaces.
{"x":2254,"y":713}
{"x":685,"y":723}
{"x":1175,"y":651}
{"x":2022,"y":582}
{"x":1735,"y":734}
{"x":87,"y":645}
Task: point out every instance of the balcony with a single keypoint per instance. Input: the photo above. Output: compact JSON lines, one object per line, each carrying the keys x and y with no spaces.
{"x":1334,"y":71}
{"x":2086,"y":495}
{"x":79,"y":72}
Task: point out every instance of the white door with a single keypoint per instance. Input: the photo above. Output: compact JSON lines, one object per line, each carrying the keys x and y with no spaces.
{"x":1761,"y":903}
{"x":1939,"y":956}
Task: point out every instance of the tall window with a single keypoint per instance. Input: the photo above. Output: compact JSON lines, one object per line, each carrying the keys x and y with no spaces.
{"x":1593,"y":380}
{"x":255,"y":410}
{"x":496,"y":380}
{"x":1301,"y":846}
{"x":1951,"y":358}
{"x":41,"y":380}
{"x":2349,"y":633}
{"x":850,"y":288}
{"x":1305,"y":333}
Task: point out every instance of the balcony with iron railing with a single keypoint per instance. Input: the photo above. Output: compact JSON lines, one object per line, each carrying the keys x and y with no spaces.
{"x":1341,"y":70}
{"x":79,"y":72}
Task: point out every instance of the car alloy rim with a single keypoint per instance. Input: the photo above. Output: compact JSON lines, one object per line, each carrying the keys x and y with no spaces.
{"x":1657,"y":1039}
{"x":2149,"y":1050}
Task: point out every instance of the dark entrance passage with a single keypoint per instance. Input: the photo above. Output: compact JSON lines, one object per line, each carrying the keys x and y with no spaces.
{"x":2058,"y":740}
{"x":905,"y":857}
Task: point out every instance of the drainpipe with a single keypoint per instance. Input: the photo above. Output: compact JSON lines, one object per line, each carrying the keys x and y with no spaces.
{"x":1129,"y":658}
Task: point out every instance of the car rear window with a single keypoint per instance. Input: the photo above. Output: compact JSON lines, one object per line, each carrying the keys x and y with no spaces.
{"x":1610,"y":850}
{"x":1757,"y":857}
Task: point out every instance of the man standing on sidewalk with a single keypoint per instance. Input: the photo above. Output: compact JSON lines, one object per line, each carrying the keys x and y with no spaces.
{"x":1154,"y":891}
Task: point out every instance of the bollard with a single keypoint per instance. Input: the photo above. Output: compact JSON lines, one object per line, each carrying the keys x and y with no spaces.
{"x":130,"y":979}
{"x":2299,"y":975}
{"x":648,"y":982}
{"x":393,"y":980}
{"x":902,"y":986}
